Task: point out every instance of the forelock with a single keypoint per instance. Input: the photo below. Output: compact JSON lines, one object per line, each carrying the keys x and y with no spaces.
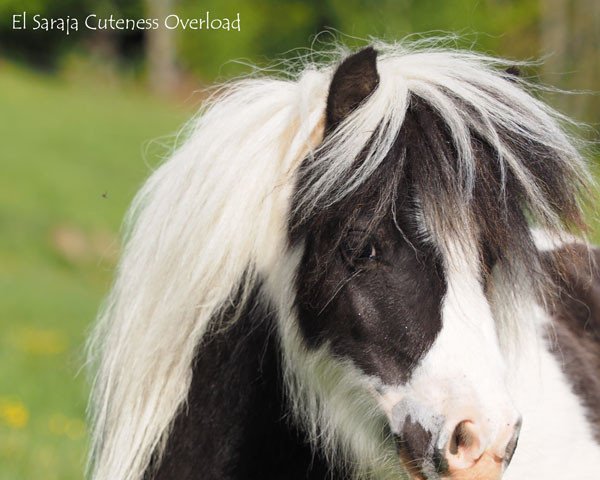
{"x":484,"y":158}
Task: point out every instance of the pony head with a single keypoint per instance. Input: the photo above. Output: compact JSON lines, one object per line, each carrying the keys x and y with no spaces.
{"x":383,"y":208}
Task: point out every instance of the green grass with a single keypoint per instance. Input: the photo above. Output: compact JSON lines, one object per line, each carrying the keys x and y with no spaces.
{"x":72,"y":158}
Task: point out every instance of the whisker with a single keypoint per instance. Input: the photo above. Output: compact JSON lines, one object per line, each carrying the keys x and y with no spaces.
{"x":338,"y":289}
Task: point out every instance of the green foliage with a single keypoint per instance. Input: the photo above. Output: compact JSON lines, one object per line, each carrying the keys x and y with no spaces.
{"x":44,"y":48}
{"x":272,"y":28}
{"x":276,"y":29}
{"x":268,"y":28}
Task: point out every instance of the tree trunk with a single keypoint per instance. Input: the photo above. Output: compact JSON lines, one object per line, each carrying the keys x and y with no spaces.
{"x":554,"y":36}
{"x":163,"y":75}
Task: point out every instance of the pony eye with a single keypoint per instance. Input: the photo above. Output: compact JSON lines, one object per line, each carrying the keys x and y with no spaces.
{"x":356,"y":249}
{"x":368,"y":252}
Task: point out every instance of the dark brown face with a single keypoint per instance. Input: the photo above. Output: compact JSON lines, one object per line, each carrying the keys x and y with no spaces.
{"x":366,"y":276}
{"x":374,"y":290}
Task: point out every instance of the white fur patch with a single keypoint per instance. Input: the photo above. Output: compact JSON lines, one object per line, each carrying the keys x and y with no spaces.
{"x":463,"y":375}
{"x":546,"y":241}
{"x":556,"y":438}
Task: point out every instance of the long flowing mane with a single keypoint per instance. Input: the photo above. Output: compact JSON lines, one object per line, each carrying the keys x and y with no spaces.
{"x":213,"y":220}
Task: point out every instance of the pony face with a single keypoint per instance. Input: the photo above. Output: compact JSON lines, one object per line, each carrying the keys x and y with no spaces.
{"x":423,"y":340}
{"x":383,"y":288}
{"x":373,"y":292}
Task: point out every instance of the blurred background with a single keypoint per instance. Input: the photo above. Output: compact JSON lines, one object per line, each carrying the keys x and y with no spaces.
{"x":85,"y":116}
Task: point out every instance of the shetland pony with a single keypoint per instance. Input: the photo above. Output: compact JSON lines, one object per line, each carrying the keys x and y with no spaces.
{"x":360,"y":271}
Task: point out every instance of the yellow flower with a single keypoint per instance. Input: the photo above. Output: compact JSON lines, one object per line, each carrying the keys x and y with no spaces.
{"x":13,"y":413}
{"x":41,"y":341}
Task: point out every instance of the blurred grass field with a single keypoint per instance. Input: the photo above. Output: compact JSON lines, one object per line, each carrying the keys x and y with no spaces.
{"x":73,"y":156}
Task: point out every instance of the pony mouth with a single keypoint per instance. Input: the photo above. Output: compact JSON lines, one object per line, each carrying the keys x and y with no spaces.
{"x":488,"y":466}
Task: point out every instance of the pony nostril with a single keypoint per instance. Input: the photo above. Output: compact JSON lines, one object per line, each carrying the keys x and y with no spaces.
{"x":464,"y":446}
{"x":470,"y":454}
{"x":461,"y":437}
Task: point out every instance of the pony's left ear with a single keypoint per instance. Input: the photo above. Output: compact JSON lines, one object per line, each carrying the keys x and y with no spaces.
{"x":513,"y":73}
{"x":353,"y":81}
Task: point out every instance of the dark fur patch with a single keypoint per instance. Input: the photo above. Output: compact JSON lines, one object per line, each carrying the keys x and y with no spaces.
{"x":236,"y":425}
{"x":382,"y":313}
{"x":354,"y":80}
{"x":386,"y":314}
{"x":575,"y":332}
{"x":514,"y":71}
{"x":415,"y":446}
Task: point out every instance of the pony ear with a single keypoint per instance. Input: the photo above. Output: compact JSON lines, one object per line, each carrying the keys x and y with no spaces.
{"x":353,"y":81}
{"x":514,"y":71}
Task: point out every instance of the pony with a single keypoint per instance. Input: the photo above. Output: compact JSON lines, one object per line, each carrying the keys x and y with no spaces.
{"x":373,"y":267}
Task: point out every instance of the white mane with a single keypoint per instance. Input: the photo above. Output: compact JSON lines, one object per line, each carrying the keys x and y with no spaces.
{"x":205,"y":221}
{"x":214,"y":218}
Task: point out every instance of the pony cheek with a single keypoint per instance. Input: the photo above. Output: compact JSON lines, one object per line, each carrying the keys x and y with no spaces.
{"x":339,"y":318}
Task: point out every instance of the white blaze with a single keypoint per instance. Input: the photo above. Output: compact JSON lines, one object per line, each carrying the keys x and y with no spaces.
{"x":463,"y":375}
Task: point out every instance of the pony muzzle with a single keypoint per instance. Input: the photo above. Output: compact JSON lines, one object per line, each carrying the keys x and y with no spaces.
{"x":468,"y":457}
{"x":468,"y":450}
